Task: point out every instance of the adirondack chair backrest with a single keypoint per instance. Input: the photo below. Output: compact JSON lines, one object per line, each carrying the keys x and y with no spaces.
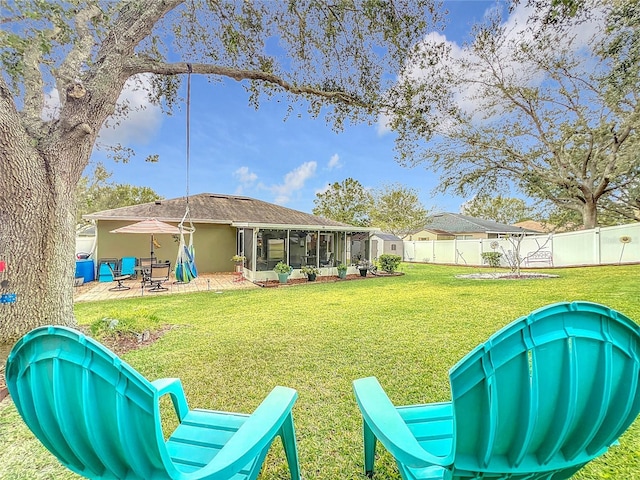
{"x":549,"y":392}
{"x":94,"y":412}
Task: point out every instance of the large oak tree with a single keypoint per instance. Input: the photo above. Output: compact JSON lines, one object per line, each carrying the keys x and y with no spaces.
{"x":547,"y":101}
{"x":336,"y":56}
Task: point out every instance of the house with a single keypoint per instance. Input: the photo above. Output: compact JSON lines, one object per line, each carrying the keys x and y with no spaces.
{"x":431,"y":234}
{"x":544,"y":227}
{"x":226,"y":225}
{"x":449,"y":226}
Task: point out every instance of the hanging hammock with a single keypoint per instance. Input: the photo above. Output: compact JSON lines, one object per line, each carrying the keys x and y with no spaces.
{"x":185,"y":269}
{"x":185,"y":262}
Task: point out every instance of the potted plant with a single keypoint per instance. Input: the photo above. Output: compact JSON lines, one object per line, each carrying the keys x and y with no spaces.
{"x":342,"y":270}
{"x":239,"y":261}
{"x":363,"y":267}
{"x":283,"y":270}
{"x":310,"y":271}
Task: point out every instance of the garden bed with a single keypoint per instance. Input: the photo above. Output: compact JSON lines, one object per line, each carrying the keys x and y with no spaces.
{"x":506,"y":276}
{"x":325,"y":279}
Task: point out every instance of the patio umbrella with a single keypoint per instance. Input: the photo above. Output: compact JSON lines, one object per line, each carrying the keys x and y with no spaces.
{"x":149,"y":227}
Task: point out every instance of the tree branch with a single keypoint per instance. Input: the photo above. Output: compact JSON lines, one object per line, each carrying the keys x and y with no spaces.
{"x":133,"y":24}
{"x":138,"y":65}
{"x":81,"y":51}
{"x":33,"y":85}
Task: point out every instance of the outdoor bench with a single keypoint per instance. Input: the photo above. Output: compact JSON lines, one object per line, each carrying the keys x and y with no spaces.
{"x":543,"y":256}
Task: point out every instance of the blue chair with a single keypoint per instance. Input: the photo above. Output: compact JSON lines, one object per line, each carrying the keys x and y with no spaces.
{"x":101,"y":418}
{"x":128,"y":266}
{"x":541,"y":398}
{"x":106,"y":268}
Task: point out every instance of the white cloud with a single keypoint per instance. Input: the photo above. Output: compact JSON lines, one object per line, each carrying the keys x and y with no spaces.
{"x":245,"y":176}
{"x":51,"y":109}
{"x":136,"y":118}
{"x":334,"y":162}
{"x":384,"y":124}
{"x":141,"y":119}
{"x":293,"y":181}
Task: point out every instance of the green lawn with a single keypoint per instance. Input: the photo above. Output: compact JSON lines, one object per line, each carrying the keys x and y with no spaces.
{"x":230,"y":349}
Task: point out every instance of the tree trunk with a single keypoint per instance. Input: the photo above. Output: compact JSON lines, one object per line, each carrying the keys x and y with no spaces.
{"x":590,"y":215}
{"x":37,"y":234}
{"x":37,"y":244}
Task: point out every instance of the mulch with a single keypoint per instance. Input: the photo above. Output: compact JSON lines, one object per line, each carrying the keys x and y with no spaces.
{"x":324,"y":279}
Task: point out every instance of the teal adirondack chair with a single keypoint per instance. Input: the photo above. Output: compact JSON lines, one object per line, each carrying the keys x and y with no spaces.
{"x":541,"y":398}
{"x":101,"y":418}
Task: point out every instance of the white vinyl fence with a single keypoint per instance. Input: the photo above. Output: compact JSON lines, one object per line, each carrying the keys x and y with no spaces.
{"x":599,"y":246}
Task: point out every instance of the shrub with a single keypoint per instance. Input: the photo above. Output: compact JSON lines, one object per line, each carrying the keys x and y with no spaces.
{"x":492,"y":258}
{"x":389,"y":262}
{"x":342,"y":267}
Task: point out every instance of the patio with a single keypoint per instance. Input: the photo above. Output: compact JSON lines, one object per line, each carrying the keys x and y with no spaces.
{"x":93,"y":291}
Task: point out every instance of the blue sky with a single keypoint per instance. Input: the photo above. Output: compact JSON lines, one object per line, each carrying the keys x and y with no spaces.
{"x":238,"y":150}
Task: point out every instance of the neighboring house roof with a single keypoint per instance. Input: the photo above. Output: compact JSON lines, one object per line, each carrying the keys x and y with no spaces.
{"x":457,"y":223}
{"x":545,"y":227}
{"x":388,"y":237}
{"x":220,"y":209}
{"x":534,"y":225}
{"x":437,"y":231}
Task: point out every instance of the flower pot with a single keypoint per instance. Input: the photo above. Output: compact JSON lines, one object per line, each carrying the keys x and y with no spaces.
{"x":311,"y":277}
{"x":363,"y":272}
{"x":342,"y":274}
{"x":283,"y":277}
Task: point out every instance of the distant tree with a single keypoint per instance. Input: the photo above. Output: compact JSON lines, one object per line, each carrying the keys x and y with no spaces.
{"x":397,"y":209}
{"x":336,"y":58}
{"x":347,"y":202}
{"x":501,"y":209}
{"x":549,"y":106}
{"x":94,"y":193}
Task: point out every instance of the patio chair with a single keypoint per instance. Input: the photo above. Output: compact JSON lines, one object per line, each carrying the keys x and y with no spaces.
{"x":541,"y":398}
{"x":159,"y":274}
{"x":128,"y":266}
{"x":144,"y":267}
{"x":118,"y":277}
{"x":106,"y":267}
{"x":329,"y":262}
{"x":101,"y":418}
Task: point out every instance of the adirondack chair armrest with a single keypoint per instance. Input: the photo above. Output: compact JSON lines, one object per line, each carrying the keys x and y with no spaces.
{"x":254,"y":435}
{"x":173,"y":387}
{"x":389,"y":428}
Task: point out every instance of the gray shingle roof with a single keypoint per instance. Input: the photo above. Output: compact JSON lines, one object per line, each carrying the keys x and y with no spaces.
{"x":388,"y":237}
{"x":457,"y":223}
{"x":215,"y":208}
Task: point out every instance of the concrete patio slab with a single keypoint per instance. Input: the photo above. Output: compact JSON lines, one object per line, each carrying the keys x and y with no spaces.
{"x":94,"y":291}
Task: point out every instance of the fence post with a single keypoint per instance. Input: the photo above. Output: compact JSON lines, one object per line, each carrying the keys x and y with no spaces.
{"x":596,"y":245}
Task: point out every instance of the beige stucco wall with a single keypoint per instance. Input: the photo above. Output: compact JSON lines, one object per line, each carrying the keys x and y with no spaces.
{"x":424,"y":235}
{"x":214,"y":245}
